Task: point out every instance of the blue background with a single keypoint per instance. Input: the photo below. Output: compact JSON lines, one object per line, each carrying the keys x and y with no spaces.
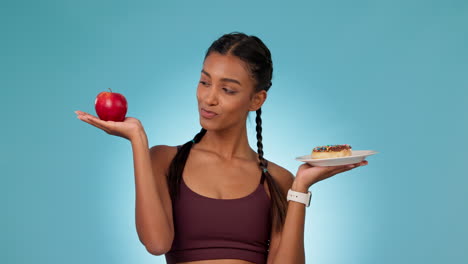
{"x":388,"y":76}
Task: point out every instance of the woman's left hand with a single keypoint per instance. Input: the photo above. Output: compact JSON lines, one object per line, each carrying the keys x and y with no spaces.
{"x":307,"y":175}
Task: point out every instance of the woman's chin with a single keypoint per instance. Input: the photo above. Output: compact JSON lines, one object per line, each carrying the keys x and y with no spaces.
{"x":211,"y":125}
{"x":207,"y":125}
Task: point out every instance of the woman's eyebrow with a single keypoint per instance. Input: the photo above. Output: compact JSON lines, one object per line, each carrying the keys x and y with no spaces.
{"x":223,"y":79}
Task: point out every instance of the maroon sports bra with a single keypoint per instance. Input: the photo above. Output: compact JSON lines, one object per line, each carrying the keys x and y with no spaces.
{"x":208,"y":228}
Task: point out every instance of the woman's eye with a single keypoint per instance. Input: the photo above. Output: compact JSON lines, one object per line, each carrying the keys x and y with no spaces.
{"x":203,"y":82}
{"x":228,"y":91}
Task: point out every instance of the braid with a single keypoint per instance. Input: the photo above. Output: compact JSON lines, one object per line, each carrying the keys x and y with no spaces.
{"x":198,"y":136}
{"x":278,"y":198}
{"x":177,"y":166}
{"x":258,"y":127}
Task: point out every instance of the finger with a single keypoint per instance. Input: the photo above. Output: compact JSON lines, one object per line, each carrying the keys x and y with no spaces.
{"x":355,"y":165}
{"x":343,"y":167}
{"x":341,"y":170}
{"x":90,"y":116}
{"x":104,"y":125}
{"x":80,"y":113}
{"x":358,"y":164}
{"x":95,"y":122}
{"x":338,"y":167}
{"x":92,"y":120}
{"x":84,"y":116}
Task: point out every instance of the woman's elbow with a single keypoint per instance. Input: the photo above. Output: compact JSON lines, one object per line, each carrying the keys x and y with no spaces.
{"x":159,"y":245}
{"x":157,"y":250}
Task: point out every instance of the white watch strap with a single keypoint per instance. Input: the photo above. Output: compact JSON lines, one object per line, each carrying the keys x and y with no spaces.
{"x":299,"y":197}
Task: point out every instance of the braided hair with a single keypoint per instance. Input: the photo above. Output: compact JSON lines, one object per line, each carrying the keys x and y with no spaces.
{"x":257,"y":56}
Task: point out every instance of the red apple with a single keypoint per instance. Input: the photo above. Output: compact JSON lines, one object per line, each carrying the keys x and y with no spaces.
{"x":111,"y":106}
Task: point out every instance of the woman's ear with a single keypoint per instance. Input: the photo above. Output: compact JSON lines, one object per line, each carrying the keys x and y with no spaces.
{"x":257,"y":100}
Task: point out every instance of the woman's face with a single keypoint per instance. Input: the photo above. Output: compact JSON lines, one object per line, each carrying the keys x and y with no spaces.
{"x":225,"y":92}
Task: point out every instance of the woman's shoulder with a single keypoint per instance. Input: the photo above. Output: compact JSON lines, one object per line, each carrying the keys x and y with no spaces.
{"x":163,"y":148}
{"x":281,"y":175}
{"x":163,"y":153}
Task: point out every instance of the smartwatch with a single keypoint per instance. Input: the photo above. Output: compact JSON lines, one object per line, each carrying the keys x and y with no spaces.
{"x":299,"y":197}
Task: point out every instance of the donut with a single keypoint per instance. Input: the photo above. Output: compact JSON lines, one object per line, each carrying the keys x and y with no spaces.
{"x":331,"y":151}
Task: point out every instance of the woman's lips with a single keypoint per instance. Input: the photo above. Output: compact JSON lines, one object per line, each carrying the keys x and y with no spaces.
{"x":207,"y":114}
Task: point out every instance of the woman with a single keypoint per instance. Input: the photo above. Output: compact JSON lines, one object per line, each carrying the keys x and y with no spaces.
{"x":214,"y":199}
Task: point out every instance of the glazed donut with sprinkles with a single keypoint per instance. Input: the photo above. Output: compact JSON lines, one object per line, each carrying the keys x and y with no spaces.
{"x":331,"y":151}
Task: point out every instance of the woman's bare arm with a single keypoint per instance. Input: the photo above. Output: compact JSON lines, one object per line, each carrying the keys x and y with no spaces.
{"x":153,"y":209}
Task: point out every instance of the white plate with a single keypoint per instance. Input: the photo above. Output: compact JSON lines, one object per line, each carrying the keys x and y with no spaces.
{"x":357,"y":156}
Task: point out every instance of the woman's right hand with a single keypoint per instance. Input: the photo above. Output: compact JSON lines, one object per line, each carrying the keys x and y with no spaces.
{"x":129,"y":128}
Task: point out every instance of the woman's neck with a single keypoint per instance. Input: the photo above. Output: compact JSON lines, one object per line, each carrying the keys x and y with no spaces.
{"x":228,"y":144}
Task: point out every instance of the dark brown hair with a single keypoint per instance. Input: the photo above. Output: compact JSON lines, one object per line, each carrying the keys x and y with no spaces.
{"x":253,"y":51}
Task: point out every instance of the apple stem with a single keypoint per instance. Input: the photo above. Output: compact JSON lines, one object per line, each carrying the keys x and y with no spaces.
{"x":110,"y":89}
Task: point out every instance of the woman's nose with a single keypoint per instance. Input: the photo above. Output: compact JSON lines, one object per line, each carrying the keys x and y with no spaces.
{"x":211,"y":97}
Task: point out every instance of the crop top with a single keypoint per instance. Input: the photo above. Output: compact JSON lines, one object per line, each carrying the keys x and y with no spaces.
{"x":208,"y":228}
